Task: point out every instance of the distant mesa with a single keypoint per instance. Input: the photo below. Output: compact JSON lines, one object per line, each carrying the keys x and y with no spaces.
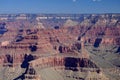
{"x":70,"y":23}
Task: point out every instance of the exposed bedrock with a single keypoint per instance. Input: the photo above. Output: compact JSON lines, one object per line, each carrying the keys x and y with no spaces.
{"x":58,"y":41}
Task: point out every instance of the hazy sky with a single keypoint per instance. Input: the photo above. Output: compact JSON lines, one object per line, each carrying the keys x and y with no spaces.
{"x":59,"y":6}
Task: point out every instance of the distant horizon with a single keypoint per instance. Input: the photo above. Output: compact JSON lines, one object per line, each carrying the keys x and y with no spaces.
{"x":56,"y":13}
{"x":59,"y":6}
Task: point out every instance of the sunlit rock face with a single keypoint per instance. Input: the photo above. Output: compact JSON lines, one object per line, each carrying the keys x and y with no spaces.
{"x":70,"y":23}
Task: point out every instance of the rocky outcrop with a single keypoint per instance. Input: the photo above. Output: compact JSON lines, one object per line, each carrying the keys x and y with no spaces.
{"x":70,"y":23}
{"x":11,"y":59}
{"x":67,"y":62}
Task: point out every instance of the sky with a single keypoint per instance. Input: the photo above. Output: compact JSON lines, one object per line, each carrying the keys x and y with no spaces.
{"x":60,"y":6}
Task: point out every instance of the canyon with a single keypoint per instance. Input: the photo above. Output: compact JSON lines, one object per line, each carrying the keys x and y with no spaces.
{"x":86,"y":46}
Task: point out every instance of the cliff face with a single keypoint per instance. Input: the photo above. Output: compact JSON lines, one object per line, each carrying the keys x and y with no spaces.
{"x":53,"y":34}
{"x":108,"y":35}
{"x":8,"y":59}
{"x":57,"y":41}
